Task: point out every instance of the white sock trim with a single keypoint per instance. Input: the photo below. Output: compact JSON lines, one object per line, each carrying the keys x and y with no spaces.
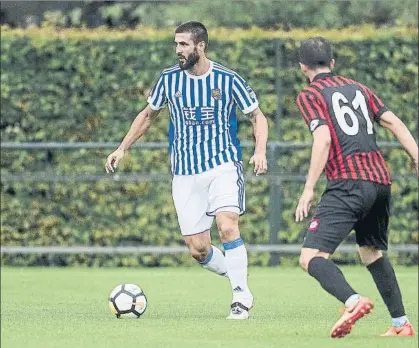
{"x":352,"y":300}
{"x":216,"y":262}
{"x":400,"y":321}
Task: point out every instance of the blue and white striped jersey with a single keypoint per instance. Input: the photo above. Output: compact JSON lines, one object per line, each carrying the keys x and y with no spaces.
{"x":203,"y":120}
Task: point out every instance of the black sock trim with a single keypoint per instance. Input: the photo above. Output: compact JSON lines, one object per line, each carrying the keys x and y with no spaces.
{"x":376,"y":263}
{"x":240,"y":305}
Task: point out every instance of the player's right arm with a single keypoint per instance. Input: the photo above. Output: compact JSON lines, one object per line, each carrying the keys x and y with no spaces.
{"x":138,"y":128}
{"x":390,"y":121}
{"x":311,"y":110}
{"x":156,"y":101}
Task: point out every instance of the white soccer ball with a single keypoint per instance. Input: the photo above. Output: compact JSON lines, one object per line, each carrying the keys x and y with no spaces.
{"x":127,"y":301}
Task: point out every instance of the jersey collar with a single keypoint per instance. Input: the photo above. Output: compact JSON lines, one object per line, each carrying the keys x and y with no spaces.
{"x":197,"y":77}
{"x":323,"y":75}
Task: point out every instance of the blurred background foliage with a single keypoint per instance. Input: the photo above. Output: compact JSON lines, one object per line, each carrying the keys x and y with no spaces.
{"x":78,"y":89}
{"x":282,"y":14}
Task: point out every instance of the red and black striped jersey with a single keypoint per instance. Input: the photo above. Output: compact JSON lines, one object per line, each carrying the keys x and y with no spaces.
{"x":348,"y":108}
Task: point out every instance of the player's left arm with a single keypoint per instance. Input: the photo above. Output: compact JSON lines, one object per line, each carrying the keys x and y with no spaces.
{"x":246,"y":99}
{"x":389,"y":120}
{"x":260,"y":131}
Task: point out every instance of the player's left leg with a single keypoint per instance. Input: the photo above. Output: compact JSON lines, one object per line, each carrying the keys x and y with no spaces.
{"x":226,"y":198}
{"x":236,"y":263}
{"x":385,"y":279}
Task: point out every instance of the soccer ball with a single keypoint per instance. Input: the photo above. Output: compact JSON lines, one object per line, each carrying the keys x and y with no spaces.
{"x":127,"y":301}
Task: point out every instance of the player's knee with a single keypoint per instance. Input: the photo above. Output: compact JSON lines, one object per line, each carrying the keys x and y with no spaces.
{"x":369,"y":255}
{"x":308,"y":254}
{"x":198,"y":251}
{"x":228,"y":231}
{"x":304,"y":261}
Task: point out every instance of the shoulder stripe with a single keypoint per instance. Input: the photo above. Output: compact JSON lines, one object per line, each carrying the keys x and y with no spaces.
{"x":171,"y":69}
{"x":222,"y":68}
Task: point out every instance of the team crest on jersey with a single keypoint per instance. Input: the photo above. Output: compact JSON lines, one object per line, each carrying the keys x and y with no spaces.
{"x":314,"y":225}
{"x":178,"y":94}
{"x":216,"y":93}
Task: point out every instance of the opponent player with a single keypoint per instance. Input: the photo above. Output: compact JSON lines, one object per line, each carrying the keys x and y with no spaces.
{"x":205,"y":153}
{"x":340,"y":114}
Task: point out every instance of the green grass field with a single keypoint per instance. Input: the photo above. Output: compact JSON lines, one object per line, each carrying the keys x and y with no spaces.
{"x":67,"y":308}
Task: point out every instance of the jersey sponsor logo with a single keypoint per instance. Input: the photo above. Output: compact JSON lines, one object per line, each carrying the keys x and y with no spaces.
{"x":314,"y":124}
{"x":197,"y":116}
{"x":216,"y":93}
{"x":314,"y":225}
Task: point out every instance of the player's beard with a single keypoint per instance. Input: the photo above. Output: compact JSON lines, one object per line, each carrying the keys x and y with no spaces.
{"x":191,"y":61}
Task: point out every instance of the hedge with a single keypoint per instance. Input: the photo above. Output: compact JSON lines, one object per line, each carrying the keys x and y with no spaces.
{"x":65,"y":87}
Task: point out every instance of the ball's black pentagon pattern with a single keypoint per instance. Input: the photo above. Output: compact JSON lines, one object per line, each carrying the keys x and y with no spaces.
{"x":134,"y":300}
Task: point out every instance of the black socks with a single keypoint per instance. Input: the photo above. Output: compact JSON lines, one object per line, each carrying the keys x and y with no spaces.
{"x":384,"y":277}
{"x":330,"y":278}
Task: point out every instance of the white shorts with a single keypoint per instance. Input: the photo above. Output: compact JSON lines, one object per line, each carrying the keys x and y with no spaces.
{"x":199,"y":197}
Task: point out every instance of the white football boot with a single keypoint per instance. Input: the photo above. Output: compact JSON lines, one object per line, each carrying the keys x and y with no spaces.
{"x":240,"y":307}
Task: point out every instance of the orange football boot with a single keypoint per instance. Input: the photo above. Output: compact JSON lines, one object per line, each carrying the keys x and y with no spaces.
{"x":405,"y":330}
{"x":350,"y":316}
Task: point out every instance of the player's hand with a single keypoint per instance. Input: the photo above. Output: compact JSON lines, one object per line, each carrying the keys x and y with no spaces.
{"x":113,"y":160}
{"x":260,"y":162}
{"x":304,"y":204}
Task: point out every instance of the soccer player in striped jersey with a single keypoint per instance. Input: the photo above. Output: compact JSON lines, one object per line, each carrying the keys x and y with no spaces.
{"x":340,"y":113}
{"x":206,"y":159}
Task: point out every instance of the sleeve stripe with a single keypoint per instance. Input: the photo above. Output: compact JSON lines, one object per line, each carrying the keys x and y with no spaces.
{"x":242,"y":94}
{"x":319,"y":111}
{"x":313,"y":107}
{"x":153,"y":91}
{"x":377,"y":100}
{"x":242,"y":81}
{"x":309,"y":106}
{"x":320,"y":102}
{"x":302,"y":109}
{"x":374,"y":106}
{"x":157,"y":97}
{"x":238,"y":99}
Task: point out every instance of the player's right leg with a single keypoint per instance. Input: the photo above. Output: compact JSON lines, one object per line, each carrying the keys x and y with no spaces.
{"x":190,"y":197}
{"x":209,"y":256}
{"x":335,"y":217}
{"x":372,"y":238}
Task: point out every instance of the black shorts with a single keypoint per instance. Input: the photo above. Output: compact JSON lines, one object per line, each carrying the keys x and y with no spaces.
{"x":349,"y":205}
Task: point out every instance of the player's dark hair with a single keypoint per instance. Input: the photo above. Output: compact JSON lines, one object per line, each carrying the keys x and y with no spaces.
{"x":197,"y":29}
{"x":316,"y":52}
